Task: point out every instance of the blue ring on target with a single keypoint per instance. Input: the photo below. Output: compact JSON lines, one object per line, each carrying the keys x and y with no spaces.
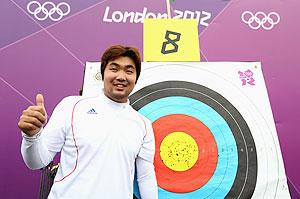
{"x":221,"y":182}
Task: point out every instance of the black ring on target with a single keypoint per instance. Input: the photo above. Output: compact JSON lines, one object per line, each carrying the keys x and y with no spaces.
{"x":246,"y":176}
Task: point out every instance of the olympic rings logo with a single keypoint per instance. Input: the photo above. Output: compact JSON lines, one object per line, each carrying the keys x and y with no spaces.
{"x":48,"y":9}
{"x":260,"y":19}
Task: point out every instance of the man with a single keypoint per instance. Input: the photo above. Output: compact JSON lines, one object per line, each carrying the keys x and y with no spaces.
{"x":101,"y":139}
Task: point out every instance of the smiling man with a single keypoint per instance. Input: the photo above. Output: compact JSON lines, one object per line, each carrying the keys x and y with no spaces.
{"x":101,"y":139}
{"x":120,"y":76}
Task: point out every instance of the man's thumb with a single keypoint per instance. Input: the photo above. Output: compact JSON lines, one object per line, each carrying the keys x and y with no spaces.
{"x":39,"y":100}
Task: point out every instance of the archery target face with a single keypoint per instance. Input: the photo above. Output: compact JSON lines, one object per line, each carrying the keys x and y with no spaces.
{"x":215,"y":138}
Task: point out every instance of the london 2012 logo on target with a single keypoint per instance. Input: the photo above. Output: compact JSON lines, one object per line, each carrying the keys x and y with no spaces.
{"x":48,"y":10}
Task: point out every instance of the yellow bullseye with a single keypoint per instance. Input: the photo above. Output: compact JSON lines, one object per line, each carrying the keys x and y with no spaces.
{"x":179,"y":151}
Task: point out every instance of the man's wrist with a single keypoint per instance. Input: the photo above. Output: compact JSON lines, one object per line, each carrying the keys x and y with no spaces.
{"x":31,"y":138}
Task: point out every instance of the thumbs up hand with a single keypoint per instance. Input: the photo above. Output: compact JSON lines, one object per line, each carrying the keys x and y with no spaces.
{"x":34,"y":117}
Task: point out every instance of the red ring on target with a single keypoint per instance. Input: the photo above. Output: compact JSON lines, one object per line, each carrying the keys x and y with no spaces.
{"x":198,"y":175}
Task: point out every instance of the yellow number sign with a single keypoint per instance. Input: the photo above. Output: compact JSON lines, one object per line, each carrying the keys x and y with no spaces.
{"x":171,"y":40}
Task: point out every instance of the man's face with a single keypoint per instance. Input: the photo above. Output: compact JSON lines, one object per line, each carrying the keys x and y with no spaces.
{"x":119,"y":79}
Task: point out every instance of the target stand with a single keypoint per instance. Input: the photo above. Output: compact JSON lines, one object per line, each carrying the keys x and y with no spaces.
{"x":214,"y":131}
